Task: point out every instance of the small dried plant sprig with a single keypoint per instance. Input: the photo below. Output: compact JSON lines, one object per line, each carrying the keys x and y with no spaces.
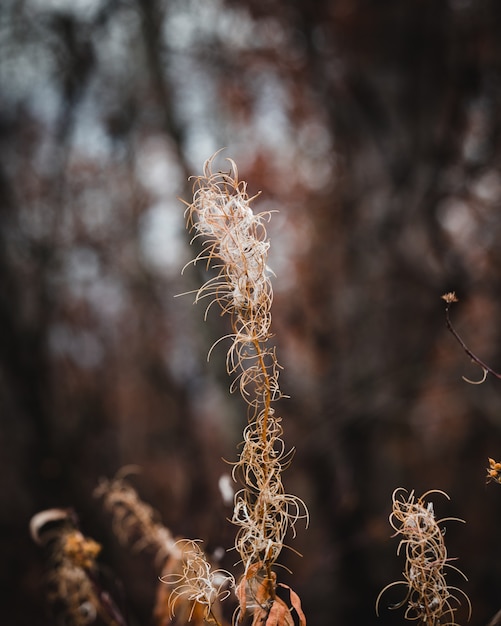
{"x":193,"y":586}
{"x":134,"y":522}
{"x":235,"y":244}
{"x":198,"y":582}
{"x":451,"y":298}
{"x":494,"y":471}
{"x":428,"y":599}
{"x":72,"y":578}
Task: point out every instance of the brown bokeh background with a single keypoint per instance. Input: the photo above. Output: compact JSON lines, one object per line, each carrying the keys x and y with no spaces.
{"x":374,"y":128}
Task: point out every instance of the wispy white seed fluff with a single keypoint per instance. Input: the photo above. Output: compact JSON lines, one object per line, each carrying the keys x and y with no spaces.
{"x":234,"y":235}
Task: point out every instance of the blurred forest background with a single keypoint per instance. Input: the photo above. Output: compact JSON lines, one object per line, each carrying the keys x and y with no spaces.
{"x":374,"y":128}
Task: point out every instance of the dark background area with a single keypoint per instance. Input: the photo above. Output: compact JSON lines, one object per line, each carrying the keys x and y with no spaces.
{"x":374,"y":128}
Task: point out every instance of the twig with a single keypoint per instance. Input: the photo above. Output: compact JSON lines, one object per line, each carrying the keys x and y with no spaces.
{"x":450,"y":298}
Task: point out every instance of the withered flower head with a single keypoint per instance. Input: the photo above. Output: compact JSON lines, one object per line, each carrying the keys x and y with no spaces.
{"x":450,"y":297}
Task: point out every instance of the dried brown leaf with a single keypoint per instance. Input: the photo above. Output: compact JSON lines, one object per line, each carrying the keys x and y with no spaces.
{"x":296,"y":604}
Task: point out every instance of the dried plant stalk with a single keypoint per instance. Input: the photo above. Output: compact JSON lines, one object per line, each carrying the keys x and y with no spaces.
{"x":428,"y":599}
{"x":234,"y":242}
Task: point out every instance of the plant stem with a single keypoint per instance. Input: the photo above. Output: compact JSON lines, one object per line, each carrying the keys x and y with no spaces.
{"x":472,"y":356}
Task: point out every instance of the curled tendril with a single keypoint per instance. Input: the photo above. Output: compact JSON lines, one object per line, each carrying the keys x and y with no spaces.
{"x":477,"y":382}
